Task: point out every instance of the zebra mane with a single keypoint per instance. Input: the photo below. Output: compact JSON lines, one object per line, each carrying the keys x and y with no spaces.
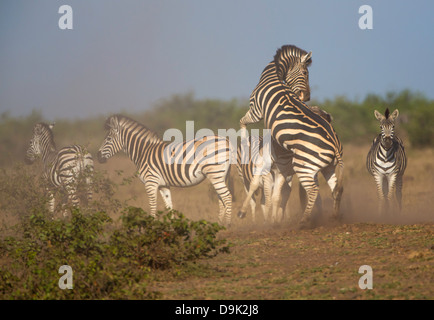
{"x":44,"y":127}
{"x":283,"y":58}
{"x":387,"y":113}
{"x":124,"y":121}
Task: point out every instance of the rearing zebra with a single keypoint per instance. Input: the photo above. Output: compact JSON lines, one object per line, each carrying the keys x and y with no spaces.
{"x":386,"y":160}
{"x":62,"y":168}
{"x":255,"y":176}
{"x":161,"y":164}
{"x":308,"y":138}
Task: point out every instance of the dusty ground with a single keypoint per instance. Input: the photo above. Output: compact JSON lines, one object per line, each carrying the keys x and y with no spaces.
{"x":282,"y":262}
{"x":315,"y":264}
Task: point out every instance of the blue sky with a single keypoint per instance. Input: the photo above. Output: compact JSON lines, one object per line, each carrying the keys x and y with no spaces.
{"x":127,"y":55}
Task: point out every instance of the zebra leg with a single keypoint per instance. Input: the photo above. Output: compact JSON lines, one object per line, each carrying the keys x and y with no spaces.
{"x":286,"y":192}
{"x":71,"y":189}
{"x":303,"y":200}
{"x":151,"y":190}
{"x":221,"y":211}
{"x":89,"y":187}
{"x":310,"y":184}
{"x":249,"y":118}
{"x":227,"y":202}
{"x":399,"y":192}
{"x":379,"y":182}
{"x":89,"y":178}
{"x":167,"y":197}
{"x":302,"y":196}
{"x":276,"y":198}
{"x":263,"y":205}
{"x":254,"y":185}
{"x":329,"y":174}
{"x":51,"y":201}
{"x":267,"y":195}
{"x":391,"y":180}
{"x":217,"y":177}
{"x":252,"y":206}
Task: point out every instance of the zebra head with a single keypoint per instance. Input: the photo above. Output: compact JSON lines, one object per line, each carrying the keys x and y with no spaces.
{"x":42,"y":141}
{"x":387,"y":126}
{"x":292,"y":68}
{"x":112,"y":142}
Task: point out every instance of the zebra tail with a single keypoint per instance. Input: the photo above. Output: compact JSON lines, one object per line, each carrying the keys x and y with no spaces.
{"x":339,"y":175}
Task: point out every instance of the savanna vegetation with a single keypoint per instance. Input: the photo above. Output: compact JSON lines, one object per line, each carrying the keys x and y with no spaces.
{"x":117,"y":251}
{"x":110,"y":258}
{"x":353,"y":120}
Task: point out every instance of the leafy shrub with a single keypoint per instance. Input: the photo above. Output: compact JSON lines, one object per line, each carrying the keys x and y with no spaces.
{"x":170,"y":239}
{"x":355,"y":123}
{"x":42,"y":245}
{"x":21,"y":192}
{"x":108,"y":260}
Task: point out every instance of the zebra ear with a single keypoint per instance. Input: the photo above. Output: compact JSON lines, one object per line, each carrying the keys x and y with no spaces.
{"x":110,"y":123}
{"x":37,"y":128}
{"x":378,"y":115}
{"x":307,"y":58}
{"x":51,"y":126}
{"x":394,"y":115}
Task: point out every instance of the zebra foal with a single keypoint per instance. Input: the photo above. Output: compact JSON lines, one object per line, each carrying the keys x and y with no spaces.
{"x":386,"y":161}
{"x":161,"y":165}
{"x":61,"y":168}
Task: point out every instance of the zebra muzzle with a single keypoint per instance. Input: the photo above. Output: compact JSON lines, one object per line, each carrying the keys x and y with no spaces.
{"x":304,"y":96}
{"x":28,"y":160}
{"x":101,"y":158}
{"x":388,"y":141}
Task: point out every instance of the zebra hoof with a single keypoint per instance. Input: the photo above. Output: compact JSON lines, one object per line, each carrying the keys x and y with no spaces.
{"x":305,"y":223}
{"x":241,"y":214}
{"x":336,"y":218}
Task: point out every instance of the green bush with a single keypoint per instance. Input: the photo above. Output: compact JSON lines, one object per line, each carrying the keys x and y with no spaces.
{"x":169,"y":240}
{"x":353,"y":120}
{"x":21,"y":192}
{"x":355,"y":123}
{"x":109,"y":261}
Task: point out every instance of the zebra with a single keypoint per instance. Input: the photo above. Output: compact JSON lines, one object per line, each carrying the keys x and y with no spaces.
{"x":310,"y":140}
{"x":253,"y":181}
{"x":63,"y":168}
{"x":386,"y":160}
{"x":161,"y":165}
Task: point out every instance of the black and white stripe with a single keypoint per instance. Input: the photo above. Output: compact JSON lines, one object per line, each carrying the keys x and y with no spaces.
{"x":386,"y":160}
{"x":307,"y":137}
{"x":61,"y":168}
{"x":162,"y":165}
{"x":258,"y":173}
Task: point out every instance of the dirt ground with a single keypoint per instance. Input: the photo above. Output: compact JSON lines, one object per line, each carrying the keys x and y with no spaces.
{"x":283,"y":262}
